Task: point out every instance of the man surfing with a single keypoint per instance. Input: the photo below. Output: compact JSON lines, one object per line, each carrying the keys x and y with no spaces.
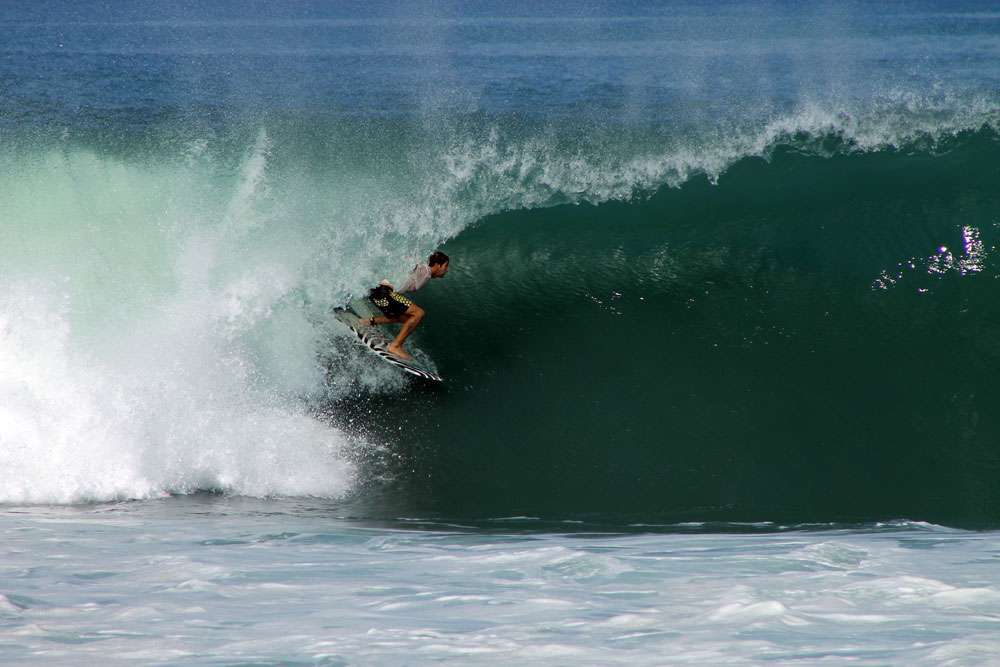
{"x":397,"y":309}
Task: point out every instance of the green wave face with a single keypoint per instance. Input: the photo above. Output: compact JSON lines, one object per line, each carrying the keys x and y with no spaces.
{"x":809,"y":339}
{"x":793,"y":321}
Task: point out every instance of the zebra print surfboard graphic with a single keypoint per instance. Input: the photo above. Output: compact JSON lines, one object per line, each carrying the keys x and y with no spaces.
{"x":375,"y":342}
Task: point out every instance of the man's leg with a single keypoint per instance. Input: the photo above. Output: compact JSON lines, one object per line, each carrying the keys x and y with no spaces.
{"x":411,"y":318}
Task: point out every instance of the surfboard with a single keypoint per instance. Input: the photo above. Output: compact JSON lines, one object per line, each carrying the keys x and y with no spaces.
{"x":377,"y":341}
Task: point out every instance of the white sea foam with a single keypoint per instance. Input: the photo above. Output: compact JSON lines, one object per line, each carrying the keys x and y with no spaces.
{"x":74,"y":426}
{"x":243,"y":596}
{"x":120,"y":379}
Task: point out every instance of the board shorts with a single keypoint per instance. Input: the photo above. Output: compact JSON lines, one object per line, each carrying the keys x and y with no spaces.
{"x":392,"y":304}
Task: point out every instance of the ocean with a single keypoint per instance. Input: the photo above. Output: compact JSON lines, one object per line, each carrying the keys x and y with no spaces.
{"x":719,"y":335}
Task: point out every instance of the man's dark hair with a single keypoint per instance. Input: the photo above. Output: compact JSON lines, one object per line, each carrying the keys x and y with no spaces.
{"x":437,"y":258}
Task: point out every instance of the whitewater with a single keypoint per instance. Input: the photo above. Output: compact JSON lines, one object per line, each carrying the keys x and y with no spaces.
{"x":719,"y":334}
{"x":205,"y":581}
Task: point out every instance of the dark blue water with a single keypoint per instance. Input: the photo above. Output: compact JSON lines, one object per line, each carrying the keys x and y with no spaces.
{"x":683,"y":62}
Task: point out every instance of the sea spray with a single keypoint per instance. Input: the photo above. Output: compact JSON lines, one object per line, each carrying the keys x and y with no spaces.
{"x":130,"y":363}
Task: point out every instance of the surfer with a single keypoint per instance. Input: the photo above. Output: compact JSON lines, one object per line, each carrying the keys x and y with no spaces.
{"x":397,"y":309}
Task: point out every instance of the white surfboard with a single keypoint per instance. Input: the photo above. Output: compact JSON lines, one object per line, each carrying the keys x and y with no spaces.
{"x":377,"y":341}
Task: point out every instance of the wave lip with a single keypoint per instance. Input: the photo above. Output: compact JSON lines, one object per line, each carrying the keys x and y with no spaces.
{"x":488,"y":172}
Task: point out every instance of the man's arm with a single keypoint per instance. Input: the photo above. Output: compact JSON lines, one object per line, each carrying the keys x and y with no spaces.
{"x":418,"y":277}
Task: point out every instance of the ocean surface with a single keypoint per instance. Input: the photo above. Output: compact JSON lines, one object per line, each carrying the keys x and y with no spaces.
{"x":720,"y":337}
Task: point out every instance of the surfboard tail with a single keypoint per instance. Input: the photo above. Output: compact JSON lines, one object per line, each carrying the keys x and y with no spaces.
{"x":375,"y":341}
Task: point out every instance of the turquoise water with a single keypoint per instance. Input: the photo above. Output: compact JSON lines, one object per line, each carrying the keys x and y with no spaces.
{"x":720,"y":316}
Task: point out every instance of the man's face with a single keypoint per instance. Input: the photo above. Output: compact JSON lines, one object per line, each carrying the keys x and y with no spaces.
{"x":438,"y":270}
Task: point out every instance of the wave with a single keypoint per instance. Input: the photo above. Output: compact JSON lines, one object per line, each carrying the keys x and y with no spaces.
{"x":164,"y":325}
{"x":726,"y":351}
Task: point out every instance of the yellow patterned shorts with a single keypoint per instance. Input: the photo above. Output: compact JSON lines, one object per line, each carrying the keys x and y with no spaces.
{"x":392,"y":304}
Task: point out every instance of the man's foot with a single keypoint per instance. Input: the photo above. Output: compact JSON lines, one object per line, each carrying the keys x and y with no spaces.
{"x":398,"y":351}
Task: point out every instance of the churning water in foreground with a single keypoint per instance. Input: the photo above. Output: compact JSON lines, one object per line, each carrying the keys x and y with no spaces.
{"x":210,"y":581}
